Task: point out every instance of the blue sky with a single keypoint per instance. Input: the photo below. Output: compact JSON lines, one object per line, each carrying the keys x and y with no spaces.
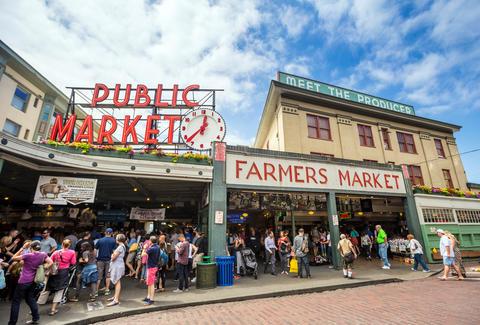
{"x":423,"y":53}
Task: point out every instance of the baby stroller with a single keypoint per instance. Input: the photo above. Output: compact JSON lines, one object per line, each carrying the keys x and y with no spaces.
{"x":71,"y":279}
{"x":250,"y":261}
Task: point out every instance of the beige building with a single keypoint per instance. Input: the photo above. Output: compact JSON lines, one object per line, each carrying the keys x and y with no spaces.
{"x":28,"y":101}
{"x":310,"y":117}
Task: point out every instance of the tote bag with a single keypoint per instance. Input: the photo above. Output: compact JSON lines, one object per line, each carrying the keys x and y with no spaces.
{"x":293,"y":265}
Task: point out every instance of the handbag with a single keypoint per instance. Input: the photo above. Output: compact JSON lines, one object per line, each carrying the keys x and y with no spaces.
{"x":293,"y":265}
{"x":55,"y":265}
{"x":304,"y":246}
{"x":40,"y":274}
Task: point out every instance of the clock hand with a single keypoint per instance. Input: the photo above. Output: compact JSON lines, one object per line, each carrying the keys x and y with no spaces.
{"x":195,"y":134}
{"x":204,"y":126}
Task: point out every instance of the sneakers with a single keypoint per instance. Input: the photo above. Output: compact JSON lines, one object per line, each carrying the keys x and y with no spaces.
{"x":107,"y":292}
{"x":148,"y":302}
{"x":145,"y":299}
{"x":386,"y":267}
{"x":177,"y":291}
{"x":426,"y":271}
{"x":194,"y":280}
{"x":413,"y":269}
{"x":185,"y":290}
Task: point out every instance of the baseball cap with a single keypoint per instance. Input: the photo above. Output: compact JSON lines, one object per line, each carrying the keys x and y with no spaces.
{"x":109,"y":230}
{"x":440,"y":231}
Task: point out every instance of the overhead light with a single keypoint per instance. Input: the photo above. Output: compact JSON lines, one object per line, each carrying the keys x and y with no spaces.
{"x":311,"y":213}
{"x":245,"y":214}
{"x":135,"y":189}
{"x":359,"y":213}
{"x":6,"y":198}
{"x":148,"y":199}
{"x":161,"y":205}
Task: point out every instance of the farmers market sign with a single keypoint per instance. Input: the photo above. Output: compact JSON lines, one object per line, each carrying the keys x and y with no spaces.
{"x":343,"y":93}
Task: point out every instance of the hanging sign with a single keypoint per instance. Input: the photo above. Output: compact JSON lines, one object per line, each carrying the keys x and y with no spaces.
{"x":59,"y":190}
{"x":346,"y":94}
{"x":147,"y":214}
{"x":294,"y":173}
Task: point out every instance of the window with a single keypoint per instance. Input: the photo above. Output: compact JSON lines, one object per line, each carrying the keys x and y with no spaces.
{"x":439,"y":146}
{"x":415,"y":173}
{"x":322,"y":154}
{"x":438,"y":215}
{"x":386,"y":140}
{"x":318,"y":127}
{"x":468,"y":216}
{"x":27,"y":133}
{"x":406,"y":143}
{"x":11,"y":128}
{"x":391,"y":162}
{"x":365,"y":135}
{"x":448,"y":178}
{"x":370,"y":160}
{"x":35,"y":102}
{"x":20,"y":99}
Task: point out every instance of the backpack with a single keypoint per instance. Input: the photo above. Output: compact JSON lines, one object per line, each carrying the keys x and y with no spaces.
{"x":163,"y":260}
{"x":304,"y":247}
{"x":284,"y":247}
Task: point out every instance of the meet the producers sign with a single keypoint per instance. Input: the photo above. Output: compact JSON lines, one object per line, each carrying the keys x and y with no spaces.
{"x":343,"y":93}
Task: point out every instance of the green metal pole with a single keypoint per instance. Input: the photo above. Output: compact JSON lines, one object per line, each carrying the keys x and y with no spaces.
{"x":294,"y":230}
{"x":333,"y":225}
{"x":413,"y":221}
{"x":217,"y":208}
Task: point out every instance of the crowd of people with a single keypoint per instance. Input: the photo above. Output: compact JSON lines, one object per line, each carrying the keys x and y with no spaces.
{"x":35,"y":266}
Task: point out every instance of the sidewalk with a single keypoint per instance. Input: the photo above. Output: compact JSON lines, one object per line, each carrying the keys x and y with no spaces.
{"x":323,"y":279}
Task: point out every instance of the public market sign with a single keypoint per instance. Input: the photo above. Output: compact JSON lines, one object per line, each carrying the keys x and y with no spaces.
{"x":198,"y":128}
{"x":62,"y":190}
{"x":343,"y":93}
{"x":289,"y":173}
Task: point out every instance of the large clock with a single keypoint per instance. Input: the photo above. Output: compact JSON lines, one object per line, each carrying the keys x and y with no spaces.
{"x":200,"y":127}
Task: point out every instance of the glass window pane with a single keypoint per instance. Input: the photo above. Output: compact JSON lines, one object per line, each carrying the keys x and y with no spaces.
{"x":312,"y":132}
{"x":323,"y":122}
{"x":311,"y":121}
{"x":324,"y":134}
{"x":11,"y":128}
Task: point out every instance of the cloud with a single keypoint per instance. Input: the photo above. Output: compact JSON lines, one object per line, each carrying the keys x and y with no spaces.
{"x":294,"y":20}
{"x":299,"y":66}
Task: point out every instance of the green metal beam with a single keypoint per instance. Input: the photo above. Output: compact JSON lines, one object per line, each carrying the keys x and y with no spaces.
{"x":333,"y":224}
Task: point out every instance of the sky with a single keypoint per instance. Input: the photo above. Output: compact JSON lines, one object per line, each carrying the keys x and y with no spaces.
{"x":422,"y":53}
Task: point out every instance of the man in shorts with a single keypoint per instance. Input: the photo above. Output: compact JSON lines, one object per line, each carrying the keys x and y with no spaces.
{"x":105,"y":247}
{"x":446,"y":249}
{"x":153,"y":253}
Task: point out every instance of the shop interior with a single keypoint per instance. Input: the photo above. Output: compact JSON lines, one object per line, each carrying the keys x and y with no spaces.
{"x":115,"y":196}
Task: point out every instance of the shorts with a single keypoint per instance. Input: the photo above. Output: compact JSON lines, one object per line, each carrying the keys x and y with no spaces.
{"x":151,"y":276}
{"x":347,"y":265}
{"x":131,"y":257}
{"x":103,"y":269}
{"x":448,"y":261}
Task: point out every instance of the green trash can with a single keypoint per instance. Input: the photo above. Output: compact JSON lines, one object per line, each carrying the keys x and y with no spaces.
{"x":206,"y":275}
{"x":206,"y":259}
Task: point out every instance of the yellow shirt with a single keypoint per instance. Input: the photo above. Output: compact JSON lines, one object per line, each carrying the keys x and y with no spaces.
{"x":344,"y":246}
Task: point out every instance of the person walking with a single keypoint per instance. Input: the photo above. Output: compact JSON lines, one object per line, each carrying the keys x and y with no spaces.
{"x":153,"y":253}
{"x":104,"y":247}
{"x":238,"y":246}
{"x":355,"y":236}
{"x":89,"y":273}
{"x":270,"y":249}
{"x":284,"y":248}
{"x":366,"y":246}
{"x":348,"y":252}
{"x":457,"y":253}
{"x":57,"y":283}
{"x":300,"y":249}
{"x":25,"y":288}
{"x":382,"y":242}
{"x":416,"y":250}
{"x":117,"y":269}
{"x":162,"y":263}
{"x":182,"y":264}
{"x":446,"y":250}
{"x":48,"y":244}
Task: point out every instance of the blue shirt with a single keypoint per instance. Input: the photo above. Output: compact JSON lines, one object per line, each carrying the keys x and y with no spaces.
{"x":153,"y":256}
{"x":105,"y":247}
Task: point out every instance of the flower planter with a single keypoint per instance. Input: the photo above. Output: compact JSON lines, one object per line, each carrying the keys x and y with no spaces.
{"x":109,"y":153}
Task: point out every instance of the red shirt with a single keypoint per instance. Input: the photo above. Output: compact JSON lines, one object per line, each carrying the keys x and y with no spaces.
{"x":65,"y":258}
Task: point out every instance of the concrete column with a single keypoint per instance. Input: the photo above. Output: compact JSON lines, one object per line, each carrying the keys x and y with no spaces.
{"x":333,"y":225}
{"x":217,"y":205}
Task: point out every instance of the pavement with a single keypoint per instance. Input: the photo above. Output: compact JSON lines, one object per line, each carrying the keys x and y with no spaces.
{"x":323,"y":279}
{"x":424,"y":301}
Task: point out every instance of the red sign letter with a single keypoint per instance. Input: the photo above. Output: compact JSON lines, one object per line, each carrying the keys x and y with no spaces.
{"x":310,"y":174}
{"x":129,"y":128}
{"x":141,"y":92}
{"x":171,"y":125}
{"x":254,"y":171}
{"x":185,"y":93}
{"x":126,"y":98}
{"x":285,"y":172}
{"x":238,"y":168}
{"x":174,"y":95}
{"x":60,"y":130}
{"x":269,"y":170}
{"x":158,"y":97}
{"x":87,"y":123}
{"x":96,"y":98}
{"x":149,"y":131}
{"x":103,"y":133}
{"x":322,"y":172}
{"x":342,"y":177}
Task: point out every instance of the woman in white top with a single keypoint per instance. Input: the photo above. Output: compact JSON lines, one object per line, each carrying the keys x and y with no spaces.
{"x":117,"y":269}
{"x":417,"y":252}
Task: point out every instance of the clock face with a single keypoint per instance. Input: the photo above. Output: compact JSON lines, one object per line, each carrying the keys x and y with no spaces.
{"x":200,"y":127}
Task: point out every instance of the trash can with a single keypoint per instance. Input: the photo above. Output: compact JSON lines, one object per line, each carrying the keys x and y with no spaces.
{"x":225,"y":270}
{"x":206,"y":259}
{"x":206,"y":275}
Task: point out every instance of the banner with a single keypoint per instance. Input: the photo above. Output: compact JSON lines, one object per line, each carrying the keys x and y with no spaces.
{"x":147,"y":214}
{"x":58,"y":190}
